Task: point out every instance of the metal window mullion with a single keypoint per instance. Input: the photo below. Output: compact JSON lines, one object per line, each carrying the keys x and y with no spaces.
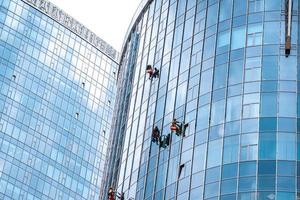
{"x":149,"y":98}
{"x":242,"y":98}
{"x":176,"y":91}
{"x":192,"y":159}
{"x":189,"y":74}
{"x":158,"y":82}
{"x":167,"y":84}
{"x":203,"y":45}
{"x":125,"y":123}
{"x":138,"y":79}
{"x":226,"y":98}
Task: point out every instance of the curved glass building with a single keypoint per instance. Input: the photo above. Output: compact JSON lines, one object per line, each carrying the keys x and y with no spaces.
{"x":230,"y":70}
{"x":57,"y":91}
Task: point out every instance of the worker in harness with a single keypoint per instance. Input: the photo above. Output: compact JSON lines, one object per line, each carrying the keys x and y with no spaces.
{"x":164,"y":141}
{"x":155,"y":135}
{"x":111,"y":194}
{"x":153,"y":73}
{"x":176,"y":127}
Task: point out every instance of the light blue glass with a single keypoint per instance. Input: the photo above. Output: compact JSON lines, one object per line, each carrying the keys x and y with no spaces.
{"x":56,"y":104}
{"x":238,"y":38}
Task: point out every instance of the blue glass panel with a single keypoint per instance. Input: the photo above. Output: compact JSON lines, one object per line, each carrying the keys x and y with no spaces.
{"x":266,"y":183}
{"x":267,"y":146}
{"x":266,"y":167}
{"x":247,"y":184}
{"x":228,"y":186}
{"x":247,"y":168}
{"x":229,"y":171}
{"x":238,"y":37}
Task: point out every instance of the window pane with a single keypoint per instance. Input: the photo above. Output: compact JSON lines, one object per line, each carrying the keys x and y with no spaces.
{"x":232,"y":128}
{"x":268,"y":105}
{"x":229,"y":186}
{"x":217,"y":112}
{"x":247,"y":184}
{"x":248,"y":168}
{"x":223,"y":41}
{"x":256,"y":5}
{"x":247,"y":196}
{"x":206,"y":81}
{"x":231,"y":149}
{"x":266,"y":195}
{"x":203,"y":117}
{"x":286,"y":146}
{"x":249,"y":125}
{"x":287,"y":104}
{"x":181,"y":94}
{"x":212,"y":189}
{"x":266,"y":168}
{"x":270,"y":68}
{"x":200,"y":158}
{"x":267,"y":124}
{"x":272,"y":33}
{"x":266,"y":183}
{"x":229,"y":171}
{"x":248,"y":153}
{"x":214,"y":153}
{"x":225,"y":9}
{"x":286,"y":183}
{"x":285,"y":196}
{"x":239,"y":7}
{"x":209,"y":47}
{"x":213,"y":175}
{"x":235,"y":72}
{"x":238,"y":38}
{"x":211,"y":15}
{"x":251,"y":111}
{"x":272,"y":5}
{"x":254,"y":34}
{"x":253,"y":74}
{"x":233,"y":110}
{"x":196,"y":193}
{"x":255,"y":28}
{"x":288,"y":68}
{"x":220,"y":77}
{"x":286,"y":168}
{"x":287,"y":124}
{"x":267,"y":146}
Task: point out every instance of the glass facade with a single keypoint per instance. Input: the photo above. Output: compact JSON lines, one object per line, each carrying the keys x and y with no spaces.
{"x":224,"y":71}
{"x":57,"y":92}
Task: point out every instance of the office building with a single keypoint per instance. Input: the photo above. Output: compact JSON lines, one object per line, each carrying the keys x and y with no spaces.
{"x":228,"y":74}
{"x":57,"y":91}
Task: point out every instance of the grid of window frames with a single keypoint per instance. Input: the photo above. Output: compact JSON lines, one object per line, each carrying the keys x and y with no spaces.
{"x":56,"y":99}
{"x":223,"y":71}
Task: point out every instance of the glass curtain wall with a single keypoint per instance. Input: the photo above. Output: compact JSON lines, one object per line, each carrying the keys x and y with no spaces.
{"x":56,"y":101}
{"x":223,"y":70}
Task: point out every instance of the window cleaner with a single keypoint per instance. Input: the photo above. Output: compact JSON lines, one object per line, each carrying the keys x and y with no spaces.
{"x":155,"y":135}
{"x":178,"y":127}
{"x":111,"y":194}
{"x":153,"y":72}
{"x":164,"y":141}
